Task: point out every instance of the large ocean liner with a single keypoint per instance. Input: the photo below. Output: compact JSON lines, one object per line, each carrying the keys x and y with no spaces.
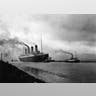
{"x":32,"y":55}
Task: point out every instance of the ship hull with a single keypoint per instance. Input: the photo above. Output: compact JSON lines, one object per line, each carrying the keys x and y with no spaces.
{"x":37,"y":58}
{"x":72,"y":60}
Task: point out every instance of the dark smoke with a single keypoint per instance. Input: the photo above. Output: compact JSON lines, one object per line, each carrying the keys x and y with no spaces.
{"x":65,"y":52}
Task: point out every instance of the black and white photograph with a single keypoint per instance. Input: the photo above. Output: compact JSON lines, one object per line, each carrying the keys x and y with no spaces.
{"x":47,"y":48}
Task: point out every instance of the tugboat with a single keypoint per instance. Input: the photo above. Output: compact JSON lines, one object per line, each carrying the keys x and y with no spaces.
{"x":34,"y":56}
{"x":76,"y":60}
{"x":73,"y":59}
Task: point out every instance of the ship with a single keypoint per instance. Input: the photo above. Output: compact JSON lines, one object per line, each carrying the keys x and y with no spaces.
{"x":33,"y":55}
{"x":72,"y":59}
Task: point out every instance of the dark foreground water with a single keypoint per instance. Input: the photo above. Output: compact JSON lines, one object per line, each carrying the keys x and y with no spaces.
{"x":84,"y":72}
{"x":10,"y":74}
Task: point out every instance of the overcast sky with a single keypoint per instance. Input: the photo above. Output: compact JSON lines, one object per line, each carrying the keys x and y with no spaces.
{"x":59,"y":31}
{"x":68,"y":32}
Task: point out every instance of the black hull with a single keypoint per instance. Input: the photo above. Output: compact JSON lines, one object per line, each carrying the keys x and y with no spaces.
{"x":72,"y":61}
{"x":37,"y":58}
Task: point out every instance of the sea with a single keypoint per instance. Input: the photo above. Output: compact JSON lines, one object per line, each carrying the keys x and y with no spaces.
{"x":60,"y":72}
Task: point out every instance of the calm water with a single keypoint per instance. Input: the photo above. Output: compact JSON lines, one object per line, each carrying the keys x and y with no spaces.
{"x":75,"y":72}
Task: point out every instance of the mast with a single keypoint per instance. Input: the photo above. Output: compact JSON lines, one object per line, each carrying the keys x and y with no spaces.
{"x":41,"y":43}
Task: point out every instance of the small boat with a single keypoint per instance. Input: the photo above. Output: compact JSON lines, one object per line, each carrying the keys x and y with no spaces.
{"x":73,"y":57}
{"x":73,"y":60}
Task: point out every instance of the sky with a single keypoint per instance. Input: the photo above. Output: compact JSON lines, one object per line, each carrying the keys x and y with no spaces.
{"x":68,"y":32}
{"x":75,"y":33}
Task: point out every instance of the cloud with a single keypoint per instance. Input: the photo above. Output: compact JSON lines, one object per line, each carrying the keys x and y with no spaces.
{"x":71,"y":27}
{"x":67,"y":32}
{"x":71,"y":32}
